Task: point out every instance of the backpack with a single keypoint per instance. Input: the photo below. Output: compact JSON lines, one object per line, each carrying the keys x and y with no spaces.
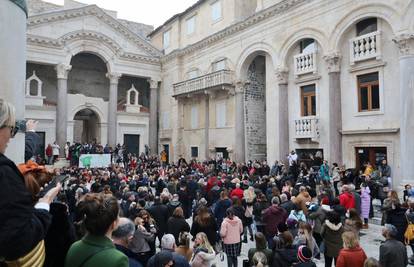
{"x":409,"y":232}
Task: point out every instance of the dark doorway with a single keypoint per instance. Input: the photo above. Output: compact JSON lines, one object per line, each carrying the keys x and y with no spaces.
{"x":311,"y":157}
{"x":131,"y":142}
{"x":373,"y":155}
{"x":40,"y":149}
{"x":221,"y":152}
{"x":167,"y":151}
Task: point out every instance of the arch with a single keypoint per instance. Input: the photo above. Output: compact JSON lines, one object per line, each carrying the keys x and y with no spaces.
{"x":381,"y":11}
{"x":248,"y":54}
{"x":94,"y":108}
{"x":91,"y":42}
{"x":408,"y":17}
{"x":312,"y":33}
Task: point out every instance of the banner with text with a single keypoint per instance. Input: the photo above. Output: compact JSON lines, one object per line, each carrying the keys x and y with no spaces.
{"x":95,"y":161}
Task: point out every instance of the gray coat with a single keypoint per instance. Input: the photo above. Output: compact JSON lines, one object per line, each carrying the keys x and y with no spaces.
{"x":393,"y":254}
{"x":318,"y":218}
{"x":140,"y":241}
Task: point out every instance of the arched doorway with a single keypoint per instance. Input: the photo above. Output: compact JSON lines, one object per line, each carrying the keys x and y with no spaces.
{"x":255,"y":109}
{"x":86,"y":128}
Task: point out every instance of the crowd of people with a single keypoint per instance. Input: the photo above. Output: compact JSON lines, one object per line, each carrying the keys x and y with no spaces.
{"x":144,"y":211}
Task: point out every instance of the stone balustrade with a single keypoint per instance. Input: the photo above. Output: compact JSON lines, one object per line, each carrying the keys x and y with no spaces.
{"x":366,"y":46}
{"x":211,"y":80}
{"x":307,"y":128}
{"x":305,"y":63}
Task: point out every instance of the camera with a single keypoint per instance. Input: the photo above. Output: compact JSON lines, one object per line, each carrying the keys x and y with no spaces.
{"x":21,"y":126}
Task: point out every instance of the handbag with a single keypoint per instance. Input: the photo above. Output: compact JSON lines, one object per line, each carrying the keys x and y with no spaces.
{"x":409,"y":232}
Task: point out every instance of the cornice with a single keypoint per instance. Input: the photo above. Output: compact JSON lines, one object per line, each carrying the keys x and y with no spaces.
{"x":94,"y":10}
{"x":279,"y":8}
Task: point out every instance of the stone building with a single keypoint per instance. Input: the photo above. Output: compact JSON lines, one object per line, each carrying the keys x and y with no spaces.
{"x":250,"y":79}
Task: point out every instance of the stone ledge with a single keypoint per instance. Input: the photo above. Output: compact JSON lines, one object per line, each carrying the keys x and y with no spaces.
{"x":371,"y":131}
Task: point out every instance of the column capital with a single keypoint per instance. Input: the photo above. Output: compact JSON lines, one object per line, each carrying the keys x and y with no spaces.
{"x":333,"y":61}
{"x":113,"y":77}
{"x":405,"y":44}
{"x":153,"y":83}
{"x":62,"y":71}
{"x":282,"y":75}
{"x":240,"y":86}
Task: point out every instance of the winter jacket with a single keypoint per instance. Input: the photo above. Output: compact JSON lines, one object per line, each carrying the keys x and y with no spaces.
{"x":220,"y":209}
{"x":297,"y":216}
{"x":351,"y":257}
{"x":397,"y":218}
{"x":160,"y":214}
{"x":347,"y":200}
{"x":272,"y":217}
{"x":365,"y":202}
{"x":237,"y":192}
{"x":393,"y":254}
{"x":202,"y":258}
{"x":172,"y":205}
{"x":285,"y":257}
{"x":319,"y":217}
{"x":332,"y":236}
{"x":141,"y":240}
{"x":209,"y":229}
{"x":22,"y":226}
{"x":231,"y":229}
{"x":176,"y":225}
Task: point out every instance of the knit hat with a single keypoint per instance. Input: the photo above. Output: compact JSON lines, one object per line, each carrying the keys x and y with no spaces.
{"x":304,"y":254}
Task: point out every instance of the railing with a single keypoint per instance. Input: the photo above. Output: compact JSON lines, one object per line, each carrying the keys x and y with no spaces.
{"x":218,"y":78}
{"x":305,"y":63}
{"x":365,"y":47}
{"x":307,"y":128}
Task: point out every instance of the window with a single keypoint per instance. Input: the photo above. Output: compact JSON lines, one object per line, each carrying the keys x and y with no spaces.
{"x":368,"y":92}
{"x":221,"y":114}
{"x":194,"y":117}
{"x":191,"y":25}
{"x":308,"y":100}
{"x":366,"y":26}
{"x":307,"y":46}
{"x":165,"y":120}
{"x":219,"y":65}
{"x":194,"y":152}
{"x":216,"y":11}
{"x":166,"y":39}
{"x":192,"y":74}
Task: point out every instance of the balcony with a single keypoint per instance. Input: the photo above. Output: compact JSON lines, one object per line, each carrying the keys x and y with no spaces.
{"x":217,"y":79}
{"x":307,"y":128}
{"x":305,"y":63}
{"x":365,"y":47}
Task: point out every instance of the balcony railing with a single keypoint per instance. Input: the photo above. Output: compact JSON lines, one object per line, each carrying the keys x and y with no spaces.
{"x":214,"y":79}
{"x":365,"y":47}
{"x":305,"y":63}
{"x":307,"y":128}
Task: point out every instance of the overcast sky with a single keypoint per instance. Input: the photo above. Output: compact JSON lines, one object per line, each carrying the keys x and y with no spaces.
{"x":152,"y":12}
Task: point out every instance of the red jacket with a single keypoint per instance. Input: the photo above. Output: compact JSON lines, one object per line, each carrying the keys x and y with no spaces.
{"x":351,"y":257}
{"x":237,"y":192}
{"x":347,"y":200}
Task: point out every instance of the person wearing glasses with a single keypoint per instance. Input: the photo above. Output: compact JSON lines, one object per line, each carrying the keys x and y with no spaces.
{"x":22,"y":225}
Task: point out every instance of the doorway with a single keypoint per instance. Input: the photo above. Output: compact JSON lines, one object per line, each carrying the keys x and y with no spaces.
{"x":221,"y":152}
{"x":131,"y":142}
{"x":40,"y":149}
{"x":373,"y":155}
{"x":86,"y":127}
{"x":167,"y":151}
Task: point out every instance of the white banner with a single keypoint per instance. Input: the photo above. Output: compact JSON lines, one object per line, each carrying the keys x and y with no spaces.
{"x":95,"y":161}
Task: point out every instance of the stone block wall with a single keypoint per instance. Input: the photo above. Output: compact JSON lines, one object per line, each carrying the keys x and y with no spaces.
{"x":255,"y":110}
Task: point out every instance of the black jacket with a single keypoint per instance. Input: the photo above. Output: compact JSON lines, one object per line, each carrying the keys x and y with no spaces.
{"x":177,"y":225}
{"x":160,"y":214}
{"x":21,"y":225}
{"x":210,"y":230}
{"x":32,"y":141}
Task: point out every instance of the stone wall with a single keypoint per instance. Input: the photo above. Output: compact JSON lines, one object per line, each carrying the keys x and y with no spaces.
{"x":255,"y":110}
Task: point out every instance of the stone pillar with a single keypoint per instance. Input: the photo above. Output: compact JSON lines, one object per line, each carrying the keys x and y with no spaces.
{"x":112,"y":107}
{"x":153,"y":123}
{"x":207,"y":127}
{"x":282,"y":75}
{"x":333,"y":62}
{"x":239,"y":133}
{"x":13,"y":66}
{"x":405,"y":44}
{"x":62,"y":71}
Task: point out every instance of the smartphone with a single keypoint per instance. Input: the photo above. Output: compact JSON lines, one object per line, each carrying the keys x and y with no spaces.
{"x":21,"y":126}
{"x":57,"y":179}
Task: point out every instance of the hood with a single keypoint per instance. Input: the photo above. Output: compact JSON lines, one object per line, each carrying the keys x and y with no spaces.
{"x":333,"y":227}
{"x":275,"y":209}
{"x":174,"y":203}
{"x":233,"y":222}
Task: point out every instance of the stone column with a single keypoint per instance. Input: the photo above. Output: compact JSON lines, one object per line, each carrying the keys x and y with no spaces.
{"x":282,"y":75}
{"x":333,"y":62}
{"x":62,"y":71}
{"x":207,"y":126}
{"x":153,"y":123}
{"x":13,"y":67}
{"x":405,"y":44}
{"x":112,"y":107}
{"x":239,"y":133}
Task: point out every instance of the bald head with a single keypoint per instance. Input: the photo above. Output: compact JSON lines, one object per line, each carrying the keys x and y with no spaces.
{"x":124,"y":230}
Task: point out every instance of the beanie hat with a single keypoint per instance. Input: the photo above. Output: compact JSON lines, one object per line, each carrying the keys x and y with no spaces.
{"x":304,"y":254}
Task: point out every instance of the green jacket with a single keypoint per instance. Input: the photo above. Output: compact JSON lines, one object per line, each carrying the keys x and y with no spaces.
{"x":95,"y":251}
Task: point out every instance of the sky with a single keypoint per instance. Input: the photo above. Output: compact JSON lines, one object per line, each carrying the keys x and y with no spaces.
{"x":151,"y":12}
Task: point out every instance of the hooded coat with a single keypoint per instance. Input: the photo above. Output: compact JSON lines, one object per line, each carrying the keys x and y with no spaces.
{"x":273,"y":216}
{"x":332,"y":236}
{"x":231,"y":229}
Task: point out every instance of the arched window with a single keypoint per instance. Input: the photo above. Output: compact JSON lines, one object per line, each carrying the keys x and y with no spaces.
{"x":132,"y":96}
{"x":31,"y":89}
{"x":366,"y":26}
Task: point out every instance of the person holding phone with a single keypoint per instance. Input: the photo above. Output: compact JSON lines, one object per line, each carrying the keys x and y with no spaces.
{"x":22,"y":225}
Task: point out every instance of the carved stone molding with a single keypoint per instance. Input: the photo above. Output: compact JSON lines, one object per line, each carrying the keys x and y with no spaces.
{"x":333,"y":62}
{"x":153,"y":84}
{"x":240,"y":86}
{"x":113,"y":77}
{"x":405,"y":44}
{"x":282,"y":75}
{"x":62,"y":71}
